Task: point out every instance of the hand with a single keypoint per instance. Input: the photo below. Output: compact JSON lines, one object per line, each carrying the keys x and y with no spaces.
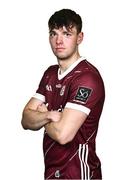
{"x":42,"y":108}
{"x":54,"y":116}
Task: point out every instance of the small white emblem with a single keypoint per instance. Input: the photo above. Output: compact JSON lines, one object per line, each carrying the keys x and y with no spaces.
{"x":62,"y":91}
{"x":48,"y":87}
{"x":60,"y":109}
{"x":57,"y":174}
{"x":58,"y":86}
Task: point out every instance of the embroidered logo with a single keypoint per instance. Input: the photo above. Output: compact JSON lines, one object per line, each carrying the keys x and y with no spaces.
{"x":60,"y":109}
{"x":83,"y":94}
{"x":48,"y":87}
{"x":58,"y":85}
{"x":62,"y":91}
{"x":57,"y":174}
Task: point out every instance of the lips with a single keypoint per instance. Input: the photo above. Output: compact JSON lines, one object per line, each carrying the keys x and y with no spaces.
{"x":59,"y":49}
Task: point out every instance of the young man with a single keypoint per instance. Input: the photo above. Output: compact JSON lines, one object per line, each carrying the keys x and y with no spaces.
{"x":68,"y":103}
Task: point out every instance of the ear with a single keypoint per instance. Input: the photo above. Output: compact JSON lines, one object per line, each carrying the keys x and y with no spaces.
{"x":80,"y":38}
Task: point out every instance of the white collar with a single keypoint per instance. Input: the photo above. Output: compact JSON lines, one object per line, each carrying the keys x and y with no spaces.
{"x":60,"y":76}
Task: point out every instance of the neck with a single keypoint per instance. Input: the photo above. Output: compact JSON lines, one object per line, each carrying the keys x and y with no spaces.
{"x":66,"y":63}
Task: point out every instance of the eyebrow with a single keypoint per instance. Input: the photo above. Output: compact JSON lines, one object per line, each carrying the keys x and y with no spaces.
{"x":69,"y":30}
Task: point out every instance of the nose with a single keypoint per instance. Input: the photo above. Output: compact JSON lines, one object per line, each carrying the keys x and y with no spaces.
{"x":59,"y":39}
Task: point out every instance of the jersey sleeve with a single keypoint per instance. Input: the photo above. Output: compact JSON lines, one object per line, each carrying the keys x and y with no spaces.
{"x":85,"y":91}
{"x":40,"y":92}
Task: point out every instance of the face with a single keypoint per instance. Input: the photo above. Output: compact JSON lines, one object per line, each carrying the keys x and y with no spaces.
{"x":64,"y":42}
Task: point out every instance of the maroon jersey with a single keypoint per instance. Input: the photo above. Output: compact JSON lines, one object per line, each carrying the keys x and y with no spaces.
{"x":80,"y":87}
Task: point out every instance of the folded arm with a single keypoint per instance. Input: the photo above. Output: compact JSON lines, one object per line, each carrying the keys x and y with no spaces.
{"x":64,"y":130}
{"x":35,"y":115}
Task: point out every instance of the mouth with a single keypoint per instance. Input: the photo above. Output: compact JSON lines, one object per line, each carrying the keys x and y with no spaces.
{"x":59,"y":49}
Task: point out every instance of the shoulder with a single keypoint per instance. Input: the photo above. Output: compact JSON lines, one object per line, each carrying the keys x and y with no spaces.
{"x":52,"y":69}
{"x":88,"y":76}
{"x":87,"y":67}
{"x":49,"y":73}
{"x":87,"y":72}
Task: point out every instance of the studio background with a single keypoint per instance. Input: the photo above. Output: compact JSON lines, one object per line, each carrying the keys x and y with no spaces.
{"x":25,"y":54}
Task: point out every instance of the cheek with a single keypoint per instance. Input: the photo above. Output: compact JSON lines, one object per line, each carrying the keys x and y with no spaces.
{"x":51,"y":43}
{"x":73,"y":43}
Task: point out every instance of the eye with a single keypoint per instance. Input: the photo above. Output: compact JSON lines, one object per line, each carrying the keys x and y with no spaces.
{"x":67,"y":34}
{"x":52,"y":34}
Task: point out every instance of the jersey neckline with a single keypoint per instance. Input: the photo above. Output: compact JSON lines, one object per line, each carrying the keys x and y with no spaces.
{"x":61,"y":76}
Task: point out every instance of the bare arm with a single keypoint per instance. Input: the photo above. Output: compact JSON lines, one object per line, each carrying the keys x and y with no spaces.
{"x":66,"y":128}
{"x":34,"y":115}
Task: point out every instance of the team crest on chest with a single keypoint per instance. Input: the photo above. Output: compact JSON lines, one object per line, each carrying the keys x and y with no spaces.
{"x":48,"y":87}
{"x":62,"y":91}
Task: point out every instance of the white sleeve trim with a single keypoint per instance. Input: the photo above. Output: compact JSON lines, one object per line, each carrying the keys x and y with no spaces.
{"x":78,"y":107}
{"x":39,"y":96}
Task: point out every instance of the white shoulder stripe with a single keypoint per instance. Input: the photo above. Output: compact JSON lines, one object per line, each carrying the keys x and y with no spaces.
{"x":78,"y":107}
{"x":39,"y":96}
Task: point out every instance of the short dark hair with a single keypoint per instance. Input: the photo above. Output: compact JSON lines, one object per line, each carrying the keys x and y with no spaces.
{"x":67,"y":18}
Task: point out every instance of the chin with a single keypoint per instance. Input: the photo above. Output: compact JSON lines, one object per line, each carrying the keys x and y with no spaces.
{"x":62,"y":57}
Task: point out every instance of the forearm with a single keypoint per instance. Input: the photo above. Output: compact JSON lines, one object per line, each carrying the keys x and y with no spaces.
{"x":66,"y":128}
{"x":34,"y":120}
{"x":54,"y":130}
